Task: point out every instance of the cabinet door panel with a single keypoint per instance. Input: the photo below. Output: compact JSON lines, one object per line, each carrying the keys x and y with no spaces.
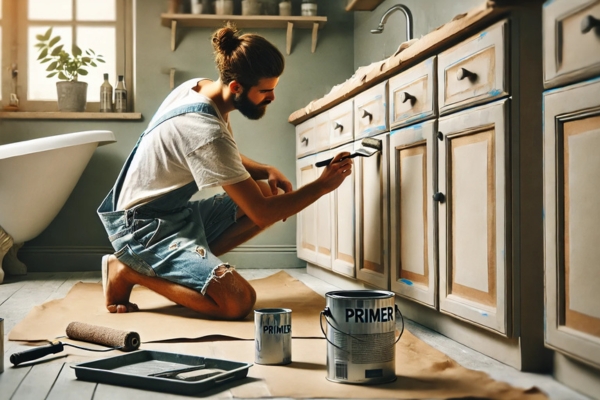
{"x":305,"y":138}
{"x":306,"y":222}
{"x":412,"y":231}
{"x":370,"y":111}
{"x":341,"y":126}
{"x":343,"y":242}
{"x":373,"y":217}
{"x":472,"y":220}
{"x":324,"y":221}
{"x":571,"y":190}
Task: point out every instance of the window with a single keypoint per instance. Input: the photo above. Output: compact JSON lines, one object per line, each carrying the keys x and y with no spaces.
{"x":103,"y":26}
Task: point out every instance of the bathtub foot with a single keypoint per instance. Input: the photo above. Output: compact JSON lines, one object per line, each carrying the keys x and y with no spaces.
{"x":12,"y":265}
{"x":6,"y":242}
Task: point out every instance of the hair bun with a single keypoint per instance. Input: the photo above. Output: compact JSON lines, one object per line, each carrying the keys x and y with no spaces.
{"x":226,"y":39}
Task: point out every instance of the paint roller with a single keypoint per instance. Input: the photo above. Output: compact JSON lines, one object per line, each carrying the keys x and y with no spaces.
{"x":366,"y":142}
{"x":113,"y":338}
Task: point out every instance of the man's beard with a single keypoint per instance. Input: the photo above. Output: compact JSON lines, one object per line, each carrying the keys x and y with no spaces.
{"x":248,"y":109}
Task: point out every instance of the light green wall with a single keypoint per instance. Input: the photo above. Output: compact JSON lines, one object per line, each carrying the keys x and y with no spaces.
{"x":427,"y":16}
{"x":271,"y":140}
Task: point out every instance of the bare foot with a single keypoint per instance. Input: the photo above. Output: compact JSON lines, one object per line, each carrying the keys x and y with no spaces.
{"x":117,"y":288}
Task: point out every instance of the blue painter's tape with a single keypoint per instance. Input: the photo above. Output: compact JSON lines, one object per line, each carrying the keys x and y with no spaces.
{"x":482,"y":35}
{"x":495,"y":92}
{"x":484,"y":314}
{"x":406,"y":281}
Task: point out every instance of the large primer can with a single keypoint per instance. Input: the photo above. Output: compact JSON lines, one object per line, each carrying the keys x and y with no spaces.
{"x":361,"y":326}
{"x":273,"y":336}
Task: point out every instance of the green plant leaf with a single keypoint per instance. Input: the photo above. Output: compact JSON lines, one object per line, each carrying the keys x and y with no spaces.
{"x":56,"y":50}
{"x":51,"y":75}
{"x":40,"y":38}
{"x":45,"y":60}
{"x":93,"y":64}
{"x":39,"y":45}
{"x":82,"y":72}
{"x":62,"y":76}
{"x":93,"y":52}
{"x":52,"y":66}
{"x":43,"y":54}
{"x":76,"y":51}
{"x":54,"y":41}
{"x":101,"y":60}
{"x":47,"y":34}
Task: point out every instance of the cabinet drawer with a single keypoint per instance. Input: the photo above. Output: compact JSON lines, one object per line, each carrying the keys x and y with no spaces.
{"x":571,"y":41}
{"x":412,"y":94}
{"x":474,"y":71}
{"x":305,"y":138}
{"x":322,"y":131}
{"x":370,"y":111}
{"x":341,"y":124}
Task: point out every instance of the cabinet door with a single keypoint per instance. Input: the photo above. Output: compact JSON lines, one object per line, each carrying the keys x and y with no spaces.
{"x":343,"y":223}
{"x":412,"y":231}
{"x":572,"y":217}
{"x":305,"y":138}
{"x":372,"y":216}
{"x":370,"y":111}
{"x":324,"y":208}
{"x":473,"y":258}
{"x":306,"y":221}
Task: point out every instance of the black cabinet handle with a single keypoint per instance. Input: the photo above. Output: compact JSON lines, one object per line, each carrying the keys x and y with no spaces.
{"x":439,"y":197}
{"x":588,"y":23}
{"x":367,"y":114}
{"x":440,"y":136}
{"x":339,"y":126}
{"x":465,"y":73}
{"x":405,"y":96}
{"x":304,"y":141}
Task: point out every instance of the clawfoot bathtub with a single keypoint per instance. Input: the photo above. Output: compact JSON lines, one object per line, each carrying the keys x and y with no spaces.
{"x":36,"y":178}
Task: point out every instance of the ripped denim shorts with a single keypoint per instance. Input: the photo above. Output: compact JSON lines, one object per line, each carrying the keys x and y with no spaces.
{"x":172,"y":244}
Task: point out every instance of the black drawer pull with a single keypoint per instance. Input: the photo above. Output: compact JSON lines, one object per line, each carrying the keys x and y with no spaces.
{"x":588,"y":23}
{"x":439,"y":197}
{"x":465,"y":73}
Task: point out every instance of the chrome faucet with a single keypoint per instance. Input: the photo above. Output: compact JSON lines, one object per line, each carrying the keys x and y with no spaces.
{"x":406,"y":11}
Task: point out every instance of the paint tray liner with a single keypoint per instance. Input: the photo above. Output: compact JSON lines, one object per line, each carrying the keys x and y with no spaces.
{"x":162,"y":371}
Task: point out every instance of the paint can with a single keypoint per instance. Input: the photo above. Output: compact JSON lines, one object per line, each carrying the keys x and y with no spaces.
{"x":361,"y":336}
{"x":273,"y":336}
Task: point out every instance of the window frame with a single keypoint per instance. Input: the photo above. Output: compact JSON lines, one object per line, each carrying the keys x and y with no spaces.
{"x":14,"y":50}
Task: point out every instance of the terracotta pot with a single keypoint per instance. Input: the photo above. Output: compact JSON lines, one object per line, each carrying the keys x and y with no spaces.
{"x":72,"y":95}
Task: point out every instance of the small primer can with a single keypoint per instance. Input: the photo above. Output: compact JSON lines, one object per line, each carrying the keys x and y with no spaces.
{"x":273,"y":336}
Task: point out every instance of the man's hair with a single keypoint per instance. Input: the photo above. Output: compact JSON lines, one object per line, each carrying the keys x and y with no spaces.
{"x":245,"y":58}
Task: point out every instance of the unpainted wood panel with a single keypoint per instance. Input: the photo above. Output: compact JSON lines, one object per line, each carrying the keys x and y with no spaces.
{"x":576,"y":49}
{"x":472,"y":198}
{"x":324,"y":225}
{"x":414,"y":261}
{"x":344,"y":209}
{"x":483,"y":64}
{"x":581,"y":221}
{"x":309,"y":214}
{"x":372,"y":201}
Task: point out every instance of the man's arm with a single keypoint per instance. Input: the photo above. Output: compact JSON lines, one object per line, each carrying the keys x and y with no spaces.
{"x":265,"y":211}
{"x":260,"y":171}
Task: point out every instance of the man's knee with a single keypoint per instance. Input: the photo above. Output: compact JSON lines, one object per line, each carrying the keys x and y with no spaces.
{"x":236,"y":295}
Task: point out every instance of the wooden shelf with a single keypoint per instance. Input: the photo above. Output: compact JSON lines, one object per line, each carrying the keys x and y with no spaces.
{"x":69,"y":115}
{"x":175,"y":21}
{"x":362,"y":5}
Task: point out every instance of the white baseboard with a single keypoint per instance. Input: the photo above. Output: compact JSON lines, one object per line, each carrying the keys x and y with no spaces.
{"x":88,"y":258}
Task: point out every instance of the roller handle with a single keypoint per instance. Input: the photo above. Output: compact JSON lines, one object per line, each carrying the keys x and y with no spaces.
{"x":34,"y":354}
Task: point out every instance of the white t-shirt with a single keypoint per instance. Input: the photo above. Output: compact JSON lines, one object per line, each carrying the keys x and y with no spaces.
{"x":190,"y":147}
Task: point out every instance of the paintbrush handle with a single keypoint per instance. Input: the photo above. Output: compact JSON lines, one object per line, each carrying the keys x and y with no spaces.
{"x":326,"y":162}
{"x":34,"y":354}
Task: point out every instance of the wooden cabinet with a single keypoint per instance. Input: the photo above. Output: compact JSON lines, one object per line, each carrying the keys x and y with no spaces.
{"x":571,"y":192}
{"x":472,"y":197}
{"x":306,"y":222}
{"x":324,"y":208}
{"x":372,"y":216}
{"x":413,"y":215}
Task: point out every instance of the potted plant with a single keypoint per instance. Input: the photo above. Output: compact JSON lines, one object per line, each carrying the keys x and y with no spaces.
{"x":72,"y":94}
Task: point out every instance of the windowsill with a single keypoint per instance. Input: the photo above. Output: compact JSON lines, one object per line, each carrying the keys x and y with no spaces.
{"x":70,"y":115}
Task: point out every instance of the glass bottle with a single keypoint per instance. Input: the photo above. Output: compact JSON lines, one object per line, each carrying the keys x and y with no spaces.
{"x":120,"y":96}
{"x":106,"y":95}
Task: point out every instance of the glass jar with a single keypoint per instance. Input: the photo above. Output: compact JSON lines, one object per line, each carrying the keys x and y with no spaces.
{"x":309,"y":8}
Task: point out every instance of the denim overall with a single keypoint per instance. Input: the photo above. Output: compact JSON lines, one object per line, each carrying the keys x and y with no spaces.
{"x":168,"y":237}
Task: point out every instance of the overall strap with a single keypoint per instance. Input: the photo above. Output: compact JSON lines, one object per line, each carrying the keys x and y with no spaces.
{"x":203,"y":108}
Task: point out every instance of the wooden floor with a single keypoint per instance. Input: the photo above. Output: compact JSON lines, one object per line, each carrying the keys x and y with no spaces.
{"x":55,"y":380}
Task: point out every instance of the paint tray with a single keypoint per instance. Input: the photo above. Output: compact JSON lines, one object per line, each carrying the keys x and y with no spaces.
{"x":162,"y":371}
